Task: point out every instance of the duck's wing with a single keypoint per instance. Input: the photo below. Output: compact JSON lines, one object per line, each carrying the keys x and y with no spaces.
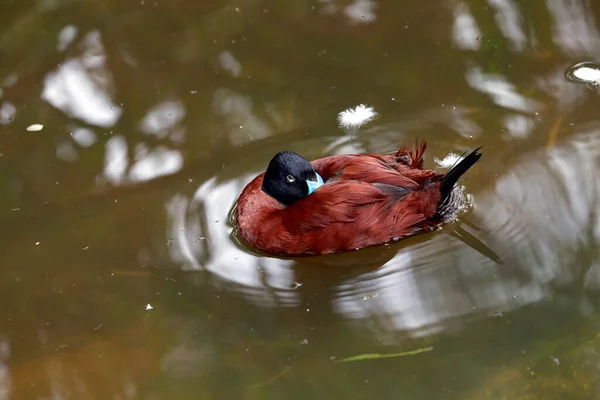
{"x":340,"y":201}
{"x":347,"y":202}
{"x":369,"y":168}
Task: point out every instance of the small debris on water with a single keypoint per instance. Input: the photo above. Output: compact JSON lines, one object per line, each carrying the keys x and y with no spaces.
{"x":37,"y":243}
{"x":35,"y":127}
{"x":149,"y":307}
{"x":305,"y":341}
{"x":296,"y":285}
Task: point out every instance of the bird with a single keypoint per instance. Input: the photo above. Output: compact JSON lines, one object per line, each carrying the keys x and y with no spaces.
{"x":347,"y":202}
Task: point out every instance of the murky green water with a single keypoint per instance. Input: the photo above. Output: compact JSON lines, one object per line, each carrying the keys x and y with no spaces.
{"x":119,"y":278}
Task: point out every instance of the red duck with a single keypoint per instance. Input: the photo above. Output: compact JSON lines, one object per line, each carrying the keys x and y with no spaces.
{"x":345,"y":202}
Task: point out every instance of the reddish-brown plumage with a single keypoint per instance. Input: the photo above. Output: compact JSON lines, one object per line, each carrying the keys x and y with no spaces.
{"x":367,"y":199}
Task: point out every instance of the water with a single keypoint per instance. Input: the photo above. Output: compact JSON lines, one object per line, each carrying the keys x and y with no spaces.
{"x":120,"y":273}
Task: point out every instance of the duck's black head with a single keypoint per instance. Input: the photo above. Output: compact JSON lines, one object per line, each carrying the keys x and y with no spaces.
{"x":290,"y":177}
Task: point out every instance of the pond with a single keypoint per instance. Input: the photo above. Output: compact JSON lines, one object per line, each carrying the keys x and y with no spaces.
{"x":128,"y":130}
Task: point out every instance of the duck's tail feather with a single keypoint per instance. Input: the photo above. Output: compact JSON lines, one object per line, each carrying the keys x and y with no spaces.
{"x":449,"y":180}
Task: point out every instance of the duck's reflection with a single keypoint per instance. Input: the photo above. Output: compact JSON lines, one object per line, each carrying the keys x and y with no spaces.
{"x":540,"y":218}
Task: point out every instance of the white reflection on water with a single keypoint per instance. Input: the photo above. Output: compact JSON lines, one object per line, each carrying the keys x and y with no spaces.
{"x":67,"y":378}
{"x":66,"y":37}
{"x":151,"y":164}
{"x":357,"y":12}
{"x":66,"y":152}
{"x":230,"y":63}
{"x":455,"y":116}
{"x":200,"y":240}
{"x":574,"y":28}
{"x":242,"y":124}
{"x":465,"y":31}
{"x":162,"y":119}
{"x":81,"y":87}
{"x":10,"y":80}
{"x":5,"y":384}
{"x":509,"y":20}
{"x":148,"y":163}
{"x":115,"y":159}
{"x":361,"y":11}
{"x":71,"y":90}
{"x":84,"y":137}
{"x":567,"y":96}
{"x":504,"y":93}
{"x":7,"y":112}
{"x":346,"y":144}
{"x":519,"y":126}
{"x":459,"y":120}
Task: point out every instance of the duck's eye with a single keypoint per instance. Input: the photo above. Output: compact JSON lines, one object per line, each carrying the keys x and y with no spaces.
{"x":290,"y":179}
{"x":404,"y":159}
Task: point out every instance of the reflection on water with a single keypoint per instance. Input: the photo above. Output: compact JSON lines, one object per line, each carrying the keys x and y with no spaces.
{"x":7,"y":112}
{"x":466,"y":33}
{"x":164,"y":118}
{"x":503,"y":93}
{"x":242,"y":124}
{"x":147,"y":164}
{"x":357,"y":11}
{"x":509,"y":21}
{"x":201,"y":241}
{"x":83,"y":137}
{"x":4,"y":370}
{"x":575,"y":27}
{"x":66,"y":37}
{"x":81,"y":88}
{"x":156,"y":116}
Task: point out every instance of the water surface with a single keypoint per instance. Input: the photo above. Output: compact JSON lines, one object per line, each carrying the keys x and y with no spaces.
{"x":120,"y":276}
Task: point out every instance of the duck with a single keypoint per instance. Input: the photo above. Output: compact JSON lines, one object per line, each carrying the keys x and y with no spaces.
{"x":343,"y":203}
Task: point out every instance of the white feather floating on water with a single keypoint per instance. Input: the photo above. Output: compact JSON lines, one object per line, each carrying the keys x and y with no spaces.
{"x":448,"y":161}
{"x":357,"y":116}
